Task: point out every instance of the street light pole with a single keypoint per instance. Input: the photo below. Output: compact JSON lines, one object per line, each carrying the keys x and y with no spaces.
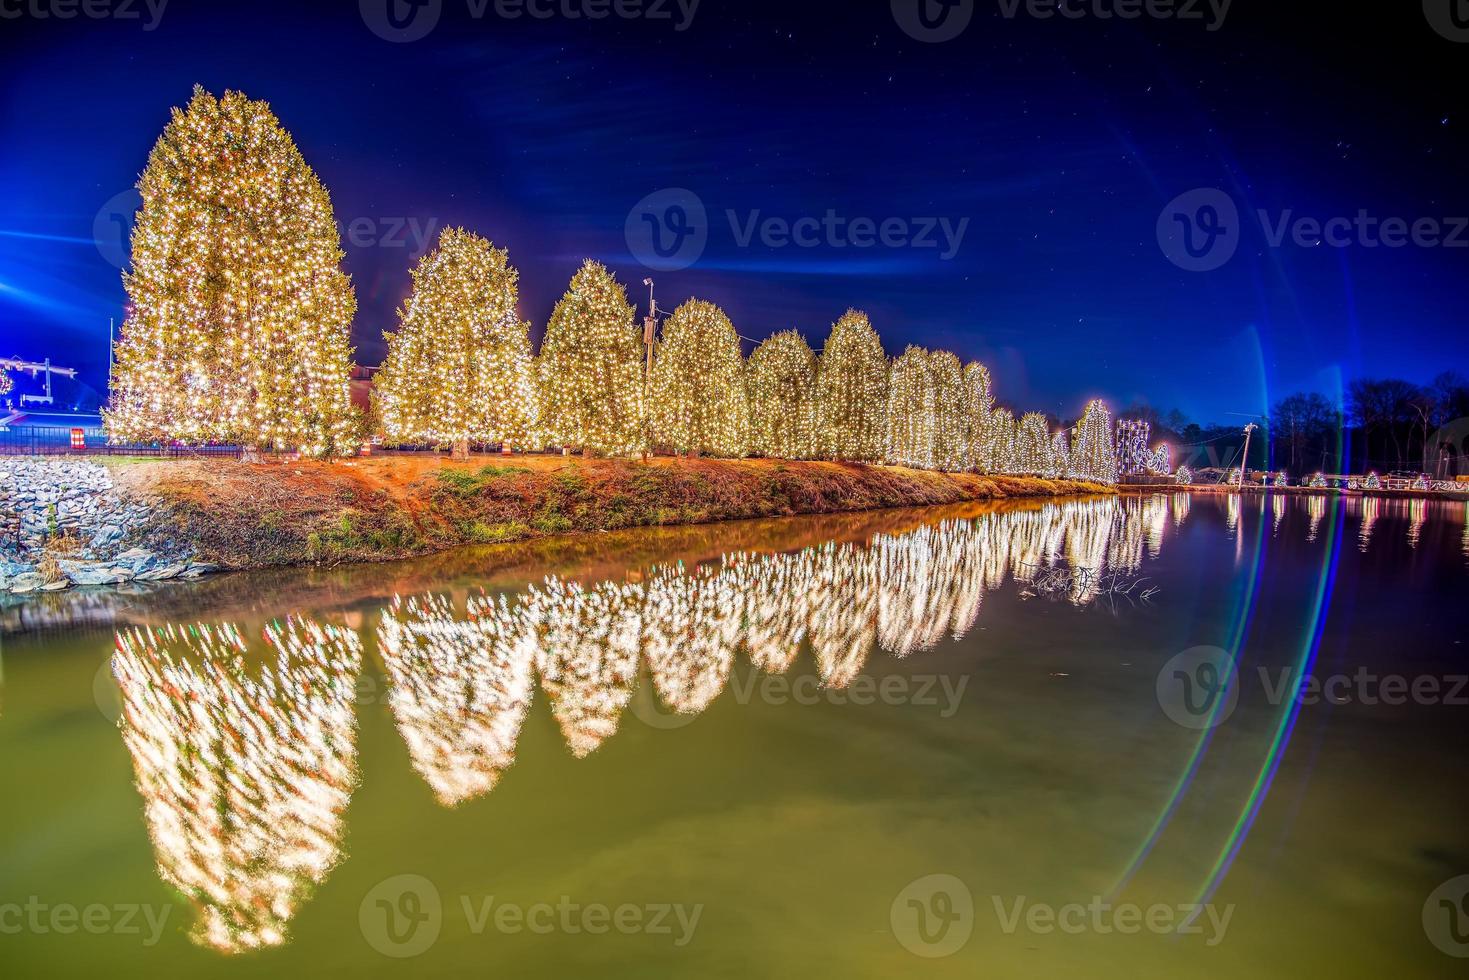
{"x":1244,"y":463}
{"x":650,"y":329}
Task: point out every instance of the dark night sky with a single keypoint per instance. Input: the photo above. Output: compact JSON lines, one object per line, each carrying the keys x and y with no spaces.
{"x":1060,"y":141}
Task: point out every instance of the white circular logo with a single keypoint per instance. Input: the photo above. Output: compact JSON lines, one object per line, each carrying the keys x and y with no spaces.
{"x":1199,"y":231}
{"x":1199,"y":688}
{"x":667,"y":230}
{"x":401,"y":917}
{"x":1446,"y":917}
{"x":1449,"y":17}
{"x":112,"y":228}
{"x":648,"y":709}
{"x":933,"y":916}
{"x":401,"y":21}
{"x":933,"y":21}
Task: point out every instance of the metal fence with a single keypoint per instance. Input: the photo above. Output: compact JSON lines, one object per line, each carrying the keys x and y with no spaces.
{"x":56,"y":440}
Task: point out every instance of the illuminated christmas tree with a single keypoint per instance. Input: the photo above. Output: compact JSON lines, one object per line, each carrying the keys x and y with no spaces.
{"x":1184,"y":476}
{"x":1092,"y":453}
{"x":1001,"y":439}
{"x":239,"y":315}
{"x":1033,"y":446}
{"x":980,"y":397}
{"x":950,"y":413}
{"x":911,"y":410}
{"x":591,"y":368}
{"x":6,"y":385}
{"x":459,"y":367}
{"x":781,"y":374}
{"x":698,"y":386}
{"x":851,"y":392}
{"x":1060,"y":454}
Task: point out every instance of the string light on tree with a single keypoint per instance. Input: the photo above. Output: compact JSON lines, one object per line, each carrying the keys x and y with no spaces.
{"x":1033,"y":446}
{"x":458,"y":369}
{"x":1281,"y":479}
{"x":1092,"y":454}
{"x":781,"y":375}
{"x":1184,"y":476}
{"x":239,"y":315}
{"x":851,"y":392}
{"x":698,"y":387}
{"x":910,"y":410}
{"x":591,"y":368}
{"x":980,"y":399}
{"x":951,"y":413}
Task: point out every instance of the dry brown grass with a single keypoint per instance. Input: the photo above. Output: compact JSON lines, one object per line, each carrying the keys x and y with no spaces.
{"x":259,"y":514}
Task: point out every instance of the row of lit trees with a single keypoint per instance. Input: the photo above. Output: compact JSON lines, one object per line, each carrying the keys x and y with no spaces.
{"x":239,"y":321}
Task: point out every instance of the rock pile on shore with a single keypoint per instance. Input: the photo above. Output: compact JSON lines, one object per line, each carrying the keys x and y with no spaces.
{"x":63,"y":523}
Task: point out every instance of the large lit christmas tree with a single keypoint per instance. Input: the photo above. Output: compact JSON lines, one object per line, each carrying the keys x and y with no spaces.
{"x":781,"y":376}
{"x":239,"y":315}
{"x":980,"y":399}
{"x":910,"y":411}
{"x":698,"y":386}
{"x":950,"y":413}
{"x":1093,"y":456}
{"x":459,"y":367}
{"x":1033,"y":454}
{"x":1000,"y":441}
{"x":851,"y":392}
{"x":591,"y":368}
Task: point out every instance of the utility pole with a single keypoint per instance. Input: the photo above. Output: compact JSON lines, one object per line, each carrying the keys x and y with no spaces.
{"x":1244,"y":463}
{"x":650,"y":330}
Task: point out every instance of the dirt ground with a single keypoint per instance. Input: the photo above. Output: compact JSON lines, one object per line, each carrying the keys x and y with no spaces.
{"x":250,"y":515}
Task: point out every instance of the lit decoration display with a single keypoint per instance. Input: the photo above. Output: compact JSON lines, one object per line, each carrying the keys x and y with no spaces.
{"x":1373,"y":482}
{"x":1282,"y":479}
{"x":1133,"y":456}
{"x":461,"y":686}
{"x":1092,"y":454}
{"x":1421,"y":483}
{"x":244,"y":775}
{"x":591,"y":368}
{"x":910,"y":411}
{"x":781,"y":380}
{"x":1184,"y":476}
{"x":239,"y":315}
{"x":6,"y":385}
{"x":1162,"y":462}
{"x":698,"y":396}
{"x":458,"y":369}
{"x":980,"y":403}
{"x":851,"y":392}
{"x":1318,"y":482}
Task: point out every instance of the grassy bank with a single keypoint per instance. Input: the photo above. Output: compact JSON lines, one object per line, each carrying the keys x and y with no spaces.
{"x":252,"y":515}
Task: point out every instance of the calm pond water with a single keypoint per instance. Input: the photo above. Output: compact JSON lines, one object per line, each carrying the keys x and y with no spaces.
{"x":1028,"y":740}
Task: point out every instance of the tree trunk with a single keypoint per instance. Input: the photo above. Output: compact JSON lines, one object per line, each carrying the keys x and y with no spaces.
{"x":461,"y":448}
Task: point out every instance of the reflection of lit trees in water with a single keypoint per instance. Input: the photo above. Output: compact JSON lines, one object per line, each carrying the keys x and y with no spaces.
{"x":1180,"y":502}
{"x":691,"y":630}
{"x":1417,"y":516}
{"x":1316,"y":512}
{"x":1466,"y":530}
{"x":461,"y":686}
{"x":1371,"y":511}
{"x":460,"y":689}
{"x":244,"y":777}
{"x":1231,"y":512}
{"x":1277,"y":507}
{"x":588,"y":654}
